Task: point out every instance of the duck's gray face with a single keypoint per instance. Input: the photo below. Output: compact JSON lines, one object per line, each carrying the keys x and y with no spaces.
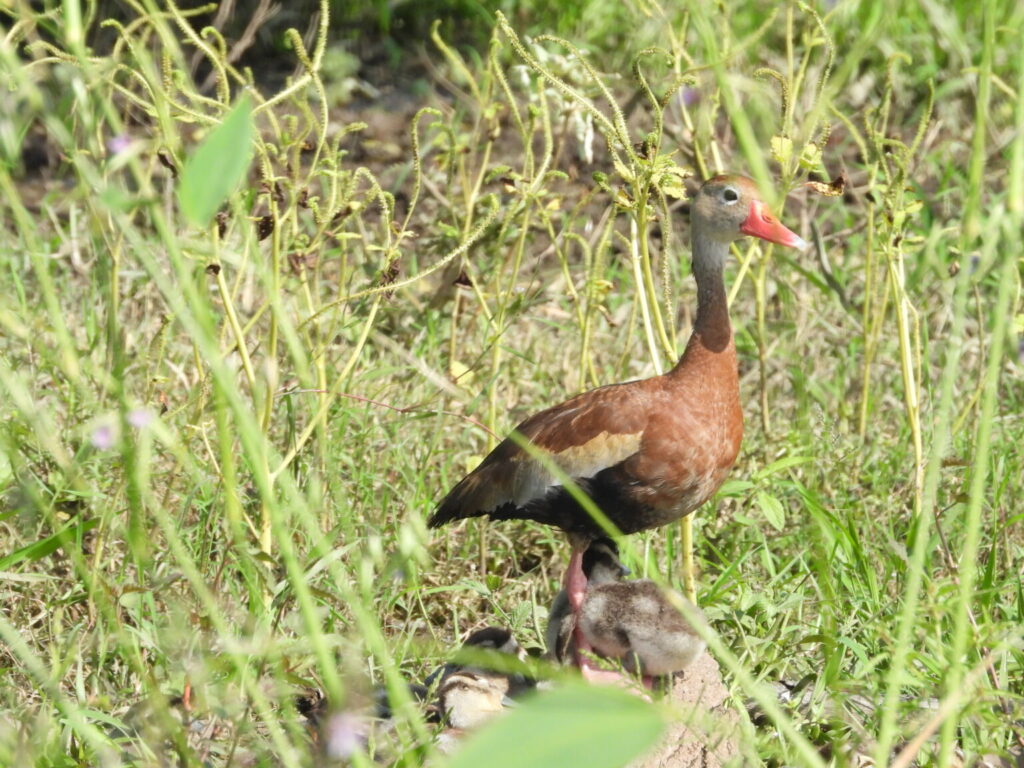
{"x":729,"y":207}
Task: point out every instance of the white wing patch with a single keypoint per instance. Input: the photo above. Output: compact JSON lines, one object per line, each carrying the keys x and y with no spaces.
{"x":532,"y":479}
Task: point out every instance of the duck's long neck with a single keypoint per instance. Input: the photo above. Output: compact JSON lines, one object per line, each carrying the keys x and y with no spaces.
{"x":712,"y":331}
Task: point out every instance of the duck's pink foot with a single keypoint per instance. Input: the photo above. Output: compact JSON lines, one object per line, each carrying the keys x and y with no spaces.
{"x":592,"y":674}
{"x":609,"y":677}
{"x":604,"y":676}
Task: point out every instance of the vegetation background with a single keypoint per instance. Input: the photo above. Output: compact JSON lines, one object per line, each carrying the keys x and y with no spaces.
{"x":220,"y":436}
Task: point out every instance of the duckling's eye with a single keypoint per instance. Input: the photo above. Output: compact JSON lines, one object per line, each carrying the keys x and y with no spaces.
{"x":730,"y":195}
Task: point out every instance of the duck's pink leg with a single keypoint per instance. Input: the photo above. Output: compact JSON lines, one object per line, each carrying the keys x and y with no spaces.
{"x":594,"y":675}
{"x":576,"y":590}
{"x":591,"y":673}
{"x":576,"y":581}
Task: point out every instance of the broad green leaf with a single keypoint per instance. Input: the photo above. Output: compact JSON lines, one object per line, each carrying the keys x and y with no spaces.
{"x":773,"y":510}
{"x":217,"y":166}
{"x":576,"y":724}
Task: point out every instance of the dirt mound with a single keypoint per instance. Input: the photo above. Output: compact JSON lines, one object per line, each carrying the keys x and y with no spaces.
{"x":705,"y":731}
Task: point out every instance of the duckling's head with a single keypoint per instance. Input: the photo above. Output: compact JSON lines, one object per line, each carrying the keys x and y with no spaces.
{"x":468,"y":699}
{"x":601,"y":564}
{"x":494,"y":652}
{"x":498,"y":639}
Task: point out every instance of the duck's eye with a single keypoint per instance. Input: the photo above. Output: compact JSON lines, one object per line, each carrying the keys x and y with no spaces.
{"x":730,"y":195}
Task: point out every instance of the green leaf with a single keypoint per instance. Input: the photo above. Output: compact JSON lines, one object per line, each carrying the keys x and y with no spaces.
{"x":773,"y":510}
{"x":576,"y":724}
{"x":672,"y":183}
{"x":735,"y":488}
{"x":498,"y":171}
{"x":782,"y":149}
{"x":217,"y":166}
{"x":72,"y":532}
{"x":780,"y":464}
{"x":810,"y":157}
{"x":858,"y":649}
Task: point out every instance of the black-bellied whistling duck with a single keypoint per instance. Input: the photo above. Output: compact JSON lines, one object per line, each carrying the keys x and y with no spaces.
{"x":632,"y":621}
{"x":647,"y":452}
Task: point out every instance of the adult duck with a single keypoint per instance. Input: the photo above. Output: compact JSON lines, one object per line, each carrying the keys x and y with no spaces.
{"x":646,"y":452}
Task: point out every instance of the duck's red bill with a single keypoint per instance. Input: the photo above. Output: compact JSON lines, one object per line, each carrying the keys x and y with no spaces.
{"x":760,"y":223}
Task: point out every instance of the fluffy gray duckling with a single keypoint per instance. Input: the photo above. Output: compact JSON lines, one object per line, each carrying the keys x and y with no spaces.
{"x":632,"y":621}
{"x":601,"y":565}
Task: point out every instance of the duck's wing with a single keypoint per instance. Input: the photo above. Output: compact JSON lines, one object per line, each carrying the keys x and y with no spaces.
{"x":594,"y":431}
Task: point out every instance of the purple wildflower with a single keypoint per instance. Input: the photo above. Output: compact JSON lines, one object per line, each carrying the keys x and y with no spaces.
{"x":140,"y":418}
{"x":343,"y":734}
{"x":118,"y":144}
{"x":102,"y":437}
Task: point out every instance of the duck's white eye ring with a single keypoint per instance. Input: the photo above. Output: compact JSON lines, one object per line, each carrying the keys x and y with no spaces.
{"x":730,"y":195}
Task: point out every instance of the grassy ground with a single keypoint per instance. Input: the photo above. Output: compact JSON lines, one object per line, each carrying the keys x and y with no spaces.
{"x":220,"y":443}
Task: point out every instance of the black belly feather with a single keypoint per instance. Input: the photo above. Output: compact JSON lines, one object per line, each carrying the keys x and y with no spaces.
{"x":560,"y":509}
